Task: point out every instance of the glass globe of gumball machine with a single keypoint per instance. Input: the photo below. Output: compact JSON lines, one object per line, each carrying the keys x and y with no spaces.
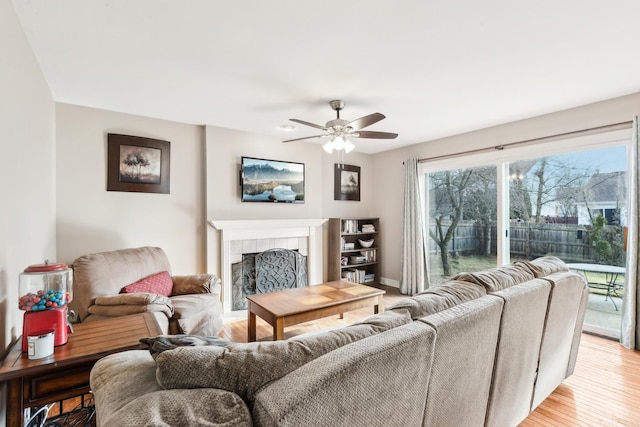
{"x":46,"y":290}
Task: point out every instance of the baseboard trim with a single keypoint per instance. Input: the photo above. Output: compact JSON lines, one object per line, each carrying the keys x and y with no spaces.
{"x":390,"y":282}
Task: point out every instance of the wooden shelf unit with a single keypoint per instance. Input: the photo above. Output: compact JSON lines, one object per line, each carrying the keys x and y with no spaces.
{"x":347,"y":231}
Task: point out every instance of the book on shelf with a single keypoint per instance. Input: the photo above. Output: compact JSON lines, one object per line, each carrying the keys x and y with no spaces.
{"x":349,"y":226}
{"x":368,"y":228}
{"x":370,"y":255}
{"x":354,"y":275}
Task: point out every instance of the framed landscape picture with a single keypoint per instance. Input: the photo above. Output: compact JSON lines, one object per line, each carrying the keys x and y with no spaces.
{"x":137,"y":164}
{"x":346,"y":182}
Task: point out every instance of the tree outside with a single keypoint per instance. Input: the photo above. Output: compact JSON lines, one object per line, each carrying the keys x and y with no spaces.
{"x":551,"y":190}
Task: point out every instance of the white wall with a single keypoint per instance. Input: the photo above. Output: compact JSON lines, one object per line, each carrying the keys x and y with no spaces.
{"x":27,"y":161}
{"x":389,"y":197}
{"x":27,"y":175}
{"x":225,"y":147}
{"x":91,"y":219}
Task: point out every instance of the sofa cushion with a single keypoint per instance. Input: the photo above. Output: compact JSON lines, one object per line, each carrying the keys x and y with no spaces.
{"x":559,"y":336}
{"x":125,"y":304}
{"x":159,"y":283}
{"x":439,"y":298}
{"x":521,"y":327}
{"x":378,"y":381}
{"x":495,"y":279}
{"x":184,"y":408}
{"x":198,"y":314}
{"x":246,"y":368}
{"x":463,"y":359}
{"x":545,"y":265}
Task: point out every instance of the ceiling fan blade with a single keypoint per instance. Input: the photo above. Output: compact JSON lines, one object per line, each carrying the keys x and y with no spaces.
{"x":376,"y":135}
{"x":306,"y":137}
{"x":365,"y":121}
{"x":313,"y":125}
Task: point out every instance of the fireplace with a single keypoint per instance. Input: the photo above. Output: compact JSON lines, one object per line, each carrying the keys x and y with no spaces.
{"x":268,"y":271}
{"x":238,"y":237}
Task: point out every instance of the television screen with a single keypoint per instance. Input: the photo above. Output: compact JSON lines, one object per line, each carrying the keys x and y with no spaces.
{"x":272,"y":181}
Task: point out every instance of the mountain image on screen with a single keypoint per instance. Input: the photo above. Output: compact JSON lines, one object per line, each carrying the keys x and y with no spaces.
{"x":272,"y":181}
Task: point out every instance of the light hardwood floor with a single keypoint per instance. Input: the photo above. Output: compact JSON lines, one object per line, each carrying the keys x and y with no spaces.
{"x":603,"y":391}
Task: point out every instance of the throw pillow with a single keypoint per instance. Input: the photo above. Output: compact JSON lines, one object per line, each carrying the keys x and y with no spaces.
{"x":159,"y":283}
{"x":245,"y":368}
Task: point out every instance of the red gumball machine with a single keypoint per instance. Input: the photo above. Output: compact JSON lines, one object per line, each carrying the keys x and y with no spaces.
{"x":46,"y":290}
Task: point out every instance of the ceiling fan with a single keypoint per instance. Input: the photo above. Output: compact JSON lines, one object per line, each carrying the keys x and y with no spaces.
{"x":339,"y":130}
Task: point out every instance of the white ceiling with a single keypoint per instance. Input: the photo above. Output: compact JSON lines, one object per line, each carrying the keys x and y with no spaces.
{"x":434,"y":68}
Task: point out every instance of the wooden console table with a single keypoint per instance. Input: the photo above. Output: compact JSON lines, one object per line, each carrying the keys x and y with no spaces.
{"x":293,"y":306}
{"x":65,"y":374}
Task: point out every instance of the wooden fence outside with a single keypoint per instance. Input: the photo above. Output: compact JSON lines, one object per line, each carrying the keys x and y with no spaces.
{"x":527,"y":240}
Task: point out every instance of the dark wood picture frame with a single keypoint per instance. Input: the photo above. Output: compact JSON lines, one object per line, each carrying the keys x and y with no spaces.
{"x":138,"y":164}
{"x":346,"y":182}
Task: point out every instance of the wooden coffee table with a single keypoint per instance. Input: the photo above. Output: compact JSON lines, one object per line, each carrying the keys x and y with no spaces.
{"x":293,"y":306}
{"x":65,"y":374}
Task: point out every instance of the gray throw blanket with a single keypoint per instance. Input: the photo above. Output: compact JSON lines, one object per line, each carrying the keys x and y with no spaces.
{"x":168,"y":342}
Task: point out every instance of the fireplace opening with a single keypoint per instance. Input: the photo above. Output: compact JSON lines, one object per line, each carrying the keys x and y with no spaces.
{"x":268,"y":271}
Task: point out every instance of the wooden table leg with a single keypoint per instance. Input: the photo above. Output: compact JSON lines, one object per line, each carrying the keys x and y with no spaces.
{"x":251,"y":325}
{"x":15,"y":409}
{"x":278,"y":329}
{"x":379,"y":307}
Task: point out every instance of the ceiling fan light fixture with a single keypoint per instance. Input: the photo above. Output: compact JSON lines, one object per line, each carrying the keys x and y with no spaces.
{"x":328,"y":147}
{"x":348,"y":146}
{"x":338,"y":143}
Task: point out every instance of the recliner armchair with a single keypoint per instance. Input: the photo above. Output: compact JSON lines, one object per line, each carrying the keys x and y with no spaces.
{"x":192,"y":305}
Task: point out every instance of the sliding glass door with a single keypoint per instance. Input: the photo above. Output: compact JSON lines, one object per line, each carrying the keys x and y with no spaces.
{"x":572,"y":205}
{"x":462,"y":221}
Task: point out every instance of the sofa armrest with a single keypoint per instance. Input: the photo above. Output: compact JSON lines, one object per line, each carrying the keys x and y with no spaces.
{"x":196,"y":284}
{"x":125,"y":304}
{"x":127,"y":393}
{"x":120,"y":378}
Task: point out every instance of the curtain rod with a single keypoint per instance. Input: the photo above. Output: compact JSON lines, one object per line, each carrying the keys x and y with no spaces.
{"x":583,"y":132}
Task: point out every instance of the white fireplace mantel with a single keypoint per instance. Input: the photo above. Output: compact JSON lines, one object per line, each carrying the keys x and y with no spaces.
{"x":265,"y":229}
{"x":234,"y":230}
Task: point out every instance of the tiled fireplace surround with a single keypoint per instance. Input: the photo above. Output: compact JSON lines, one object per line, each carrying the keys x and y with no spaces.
{"x":239,"y":237}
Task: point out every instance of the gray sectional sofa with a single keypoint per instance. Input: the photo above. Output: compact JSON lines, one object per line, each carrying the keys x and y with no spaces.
{"x":483,"y":349}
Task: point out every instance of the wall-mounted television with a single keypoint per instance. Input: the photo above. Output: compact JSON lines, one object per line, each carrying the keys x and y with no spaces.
{"x":271,"y":181}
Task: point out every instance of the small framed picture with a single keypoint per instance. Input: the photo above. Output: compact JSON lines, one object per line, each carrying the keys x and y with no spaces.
{"x":346,"y":184}
{"x":137,"y":164}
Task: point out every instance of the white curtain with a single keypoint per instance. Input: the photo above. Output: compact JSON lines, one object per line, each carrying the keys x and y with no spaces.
{"x":629,"y":329}
{"x":414,"y":276}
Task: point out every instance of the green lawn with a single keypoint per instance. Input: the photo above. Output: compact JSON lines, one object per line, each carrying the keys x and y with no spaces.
{"x":459,"y":264}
